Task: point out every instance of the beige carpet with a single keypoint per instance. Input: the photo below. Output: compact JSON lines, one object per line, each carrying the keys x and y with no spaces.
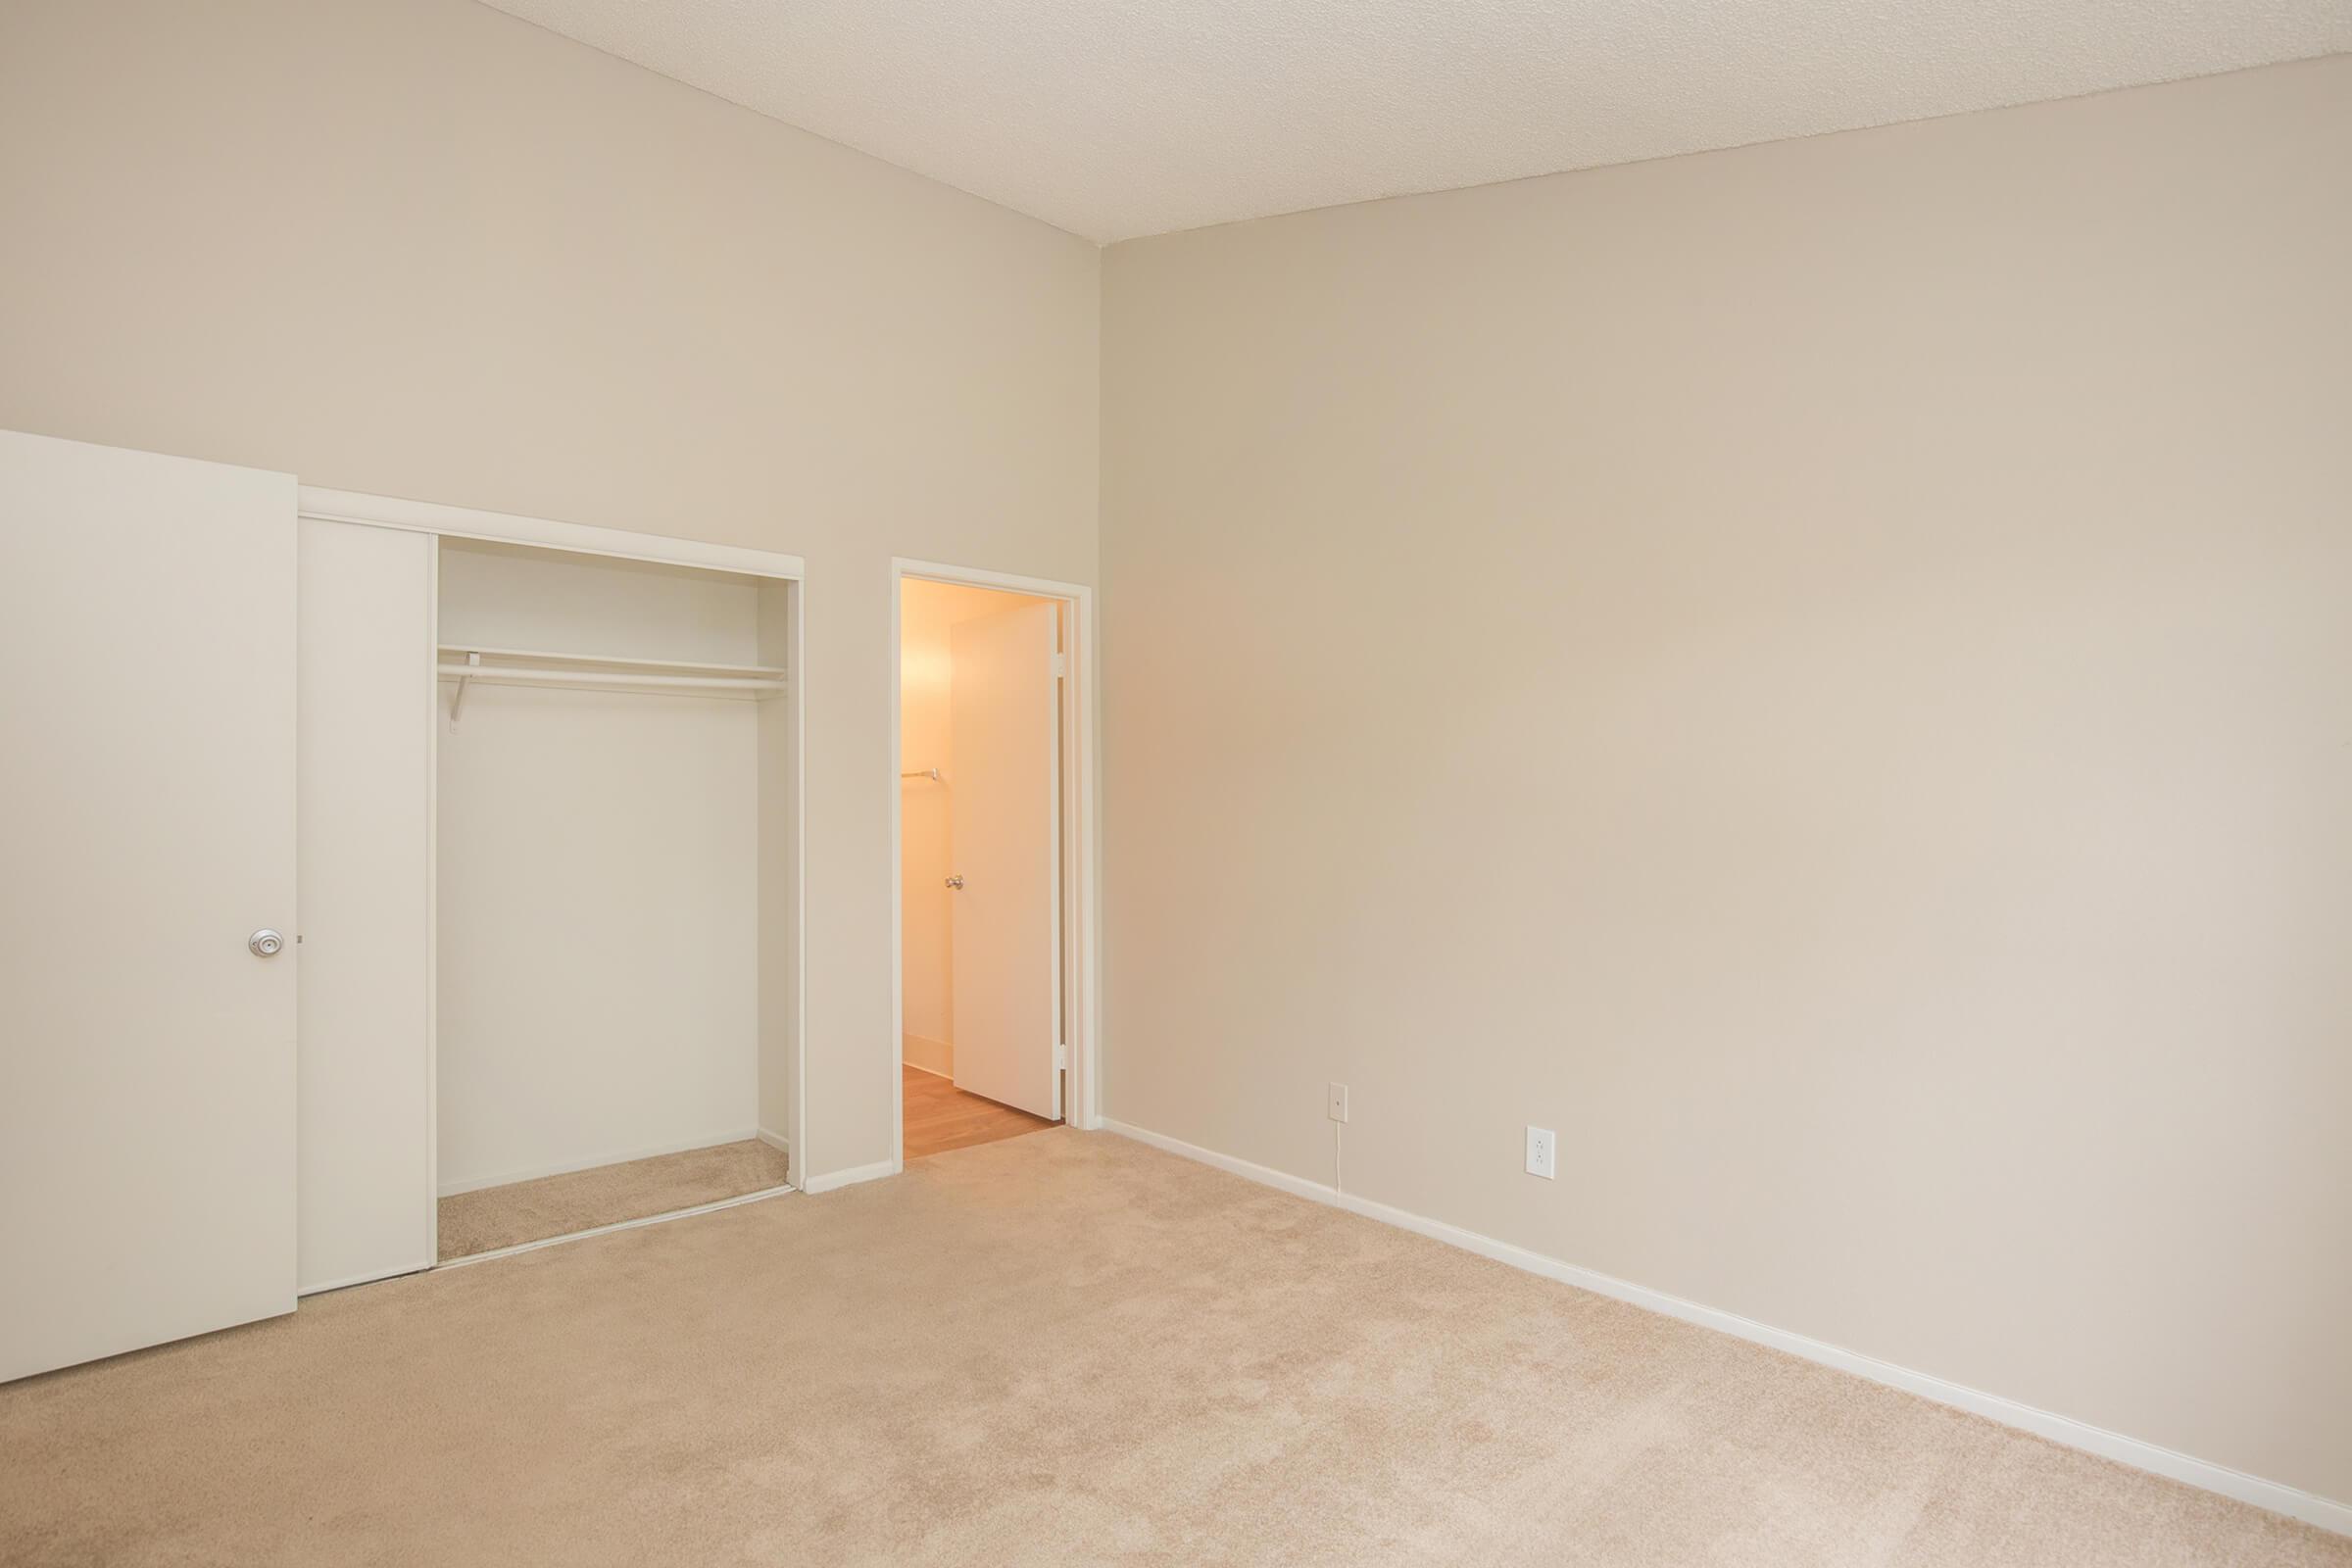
{"x":1060,"y":1349}
{"x":582,"y":1200}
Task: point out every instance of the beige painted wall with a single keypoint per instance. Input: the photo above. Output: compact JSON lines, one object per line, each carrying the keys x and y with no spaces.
{"x":419,"y":247}
{"x":1818,"y":671}
{"x":928,"y":615}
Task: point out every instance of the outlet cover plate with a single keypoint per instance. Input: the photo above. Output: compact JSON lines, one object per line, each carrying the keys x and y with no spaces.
{"x":1339,"y":1103}
{"x":1542,"y":1153}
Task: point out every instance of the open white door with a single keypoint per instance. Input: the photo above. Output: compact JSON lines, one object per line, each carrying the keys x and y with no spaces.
{"x":147,"y":759}
{"x":1003,"y":822}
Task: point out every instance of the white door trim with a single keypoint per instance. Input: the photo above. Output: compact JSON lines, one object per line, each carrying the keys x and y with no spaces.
{"x":464,"y":522}
{"x":499,"y":527}
{"x":1082,"y":1108}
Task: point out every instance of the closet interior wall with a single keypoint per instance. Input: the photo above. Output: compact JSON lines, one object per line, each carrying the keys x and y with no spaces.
{"x":599,"y":874}
{"x":779,"y":868}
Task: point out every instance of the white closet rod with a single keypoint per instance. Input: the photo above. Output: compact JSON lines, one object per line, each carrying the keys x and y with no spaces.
{"x":507,"y":675}
{"x":475,"y":652}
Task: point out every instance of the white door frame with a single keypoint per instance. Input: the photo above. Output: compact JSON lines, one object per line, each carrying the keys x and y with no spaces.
{"x":1081,"y":1104}
{"x":464,"y":522}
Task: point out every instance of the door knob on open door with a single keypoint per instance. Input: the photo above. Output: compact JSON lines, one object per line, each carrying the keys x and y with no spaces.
{"x":265,"y":943}
{"x":955,"y":881}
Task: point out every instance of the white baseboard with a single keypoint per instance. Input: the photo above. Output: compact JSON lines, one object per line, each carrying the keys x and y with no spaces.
{"x":919,"y":1052}
{"x":831,"y":1180}
{"x":2274,"y":1496}
{"x":474,"y":1183}
{"x":774,"y":1140}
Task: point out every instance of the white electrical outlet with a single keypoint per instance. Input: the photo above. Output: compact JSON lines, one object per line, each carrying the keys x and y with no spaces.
{"x":1339,"y":1103}
{"x":1542,"y":1150}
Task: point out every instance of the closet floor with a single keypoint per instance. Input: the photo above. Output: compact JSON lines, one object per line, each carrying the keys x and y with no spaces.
{"x":493,"y":1217}
{"x":939,"y":1117}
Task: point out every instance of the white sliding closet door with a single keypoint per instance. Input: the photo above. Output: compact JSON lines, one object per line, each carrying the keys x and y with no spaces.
{"x":365,"y":1184}
{"x":146,"y":1056}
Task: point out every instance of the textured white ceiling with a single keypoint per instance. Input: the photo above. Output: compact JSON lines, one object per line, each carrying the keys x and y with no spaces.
{"x":1118,"y":117}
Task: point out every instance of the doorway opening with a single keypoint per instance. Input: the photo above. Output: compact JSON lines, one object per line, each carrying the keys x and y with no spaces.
{"x":990,"y":917}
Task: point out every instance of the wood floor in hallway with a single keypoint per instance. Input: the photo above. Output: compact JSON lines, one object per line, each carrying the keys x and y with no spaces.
{"x":941,"y":1116}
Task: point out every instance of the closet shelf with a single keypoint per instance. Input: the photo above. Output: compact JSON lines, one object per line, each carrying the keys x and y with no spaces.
{"x":540,"y":656}
{"x":465,"y":663}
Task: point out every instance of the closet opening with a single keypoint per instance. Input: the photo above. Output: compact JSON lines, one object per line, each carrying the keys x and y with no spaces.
{"x":616,"y":892}
{"x":989,"y":808}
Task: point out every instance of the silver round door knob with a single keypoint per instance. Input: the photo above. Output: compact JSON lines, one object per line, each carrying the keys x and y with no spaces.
{"x":955,"y":881}
{"x":265,"y":943}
